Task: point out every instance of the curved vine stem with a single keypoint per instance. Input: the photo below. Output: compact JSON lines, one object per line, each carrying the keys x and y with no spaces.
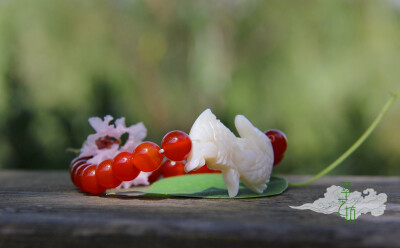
{"x":354,"y":147}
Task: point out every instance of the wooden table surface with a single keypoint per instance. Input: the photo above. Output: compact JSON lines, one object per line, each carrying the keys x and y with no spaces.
{"x":43,"y":209}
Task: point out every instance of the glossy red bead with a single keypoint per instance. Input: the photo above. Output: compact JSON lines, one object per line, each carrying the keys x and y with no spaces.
{"x":279,"y":144}
{"x":147,"y":157}
{"x":123,"y":167}
{"x":89,"y":183}
{"x":78,"y":174}
{"x":155,"y":175}
{"x":74,"y":169}
{"x":176,"y":145}
{"x":105,"y":176}
{"x":172,"y":169}
{"x":77,"y":160}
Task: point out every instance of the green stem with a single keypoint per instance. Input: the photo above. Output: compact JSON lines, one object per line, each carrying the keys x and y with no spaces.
{"x":354,"y":147}
{"x":73,"y":150}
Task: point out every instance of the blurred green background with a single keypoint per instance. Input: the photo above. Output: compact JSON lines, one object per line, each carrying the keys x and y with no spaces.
{"x":318,"y":70}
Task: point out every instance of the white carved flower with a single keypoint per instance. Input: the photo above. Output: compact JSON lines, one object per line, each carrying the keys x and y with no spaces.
{"x":248,"y":158}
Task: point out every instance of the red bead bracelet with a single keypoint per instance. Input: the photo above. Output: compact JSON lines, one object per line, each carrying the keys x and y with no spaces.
{"x":147,"y":157}
{"x":126,"y":166}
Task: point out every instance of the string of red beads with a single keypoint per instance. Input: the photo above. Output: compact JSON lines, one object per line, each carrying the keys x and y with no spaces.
{"x":148,"y":157}
{"x":126,"y":166}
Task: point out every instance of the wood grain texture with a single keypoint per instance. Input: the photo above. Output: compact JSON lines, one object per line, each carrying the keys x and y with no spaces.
{"x":43,"y":209}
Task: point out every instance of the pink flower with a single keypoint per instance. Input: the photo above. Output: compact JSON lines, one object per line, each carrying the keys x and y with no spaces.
{"x":105,"y":143}
{"x":142,"y":179}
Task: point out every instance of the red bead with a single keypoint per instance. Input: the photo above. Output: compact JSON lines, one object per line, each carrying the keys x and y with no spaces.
{"x":278,"y":159}
{"x":78,"y":174}
{"x":169,"y":169}
{"x":279,"y":144}
{"x":203,"y":169}
{"x":176,"y":145}
{"x":74,"y":169}
{"x":76,"y":161}
{"x":123,"y":167}
{"x":147,"y":157}
{"x":105,"y":176}
{"x":155,"y":175}
{"x":89,"y":181}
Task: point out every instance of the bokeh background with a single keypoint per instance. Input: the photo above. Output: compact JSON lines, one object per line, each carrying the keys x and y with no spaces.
{"x":318,"y":70}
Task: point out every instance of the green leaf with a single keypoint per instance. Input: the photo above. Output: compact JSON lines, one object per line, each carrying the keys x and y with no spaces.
{"x":207,"y":186}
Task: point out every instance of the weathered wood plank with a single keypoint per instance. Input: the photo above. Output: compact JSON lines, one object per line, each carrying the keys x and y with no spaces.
{"x":43,"y":209}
